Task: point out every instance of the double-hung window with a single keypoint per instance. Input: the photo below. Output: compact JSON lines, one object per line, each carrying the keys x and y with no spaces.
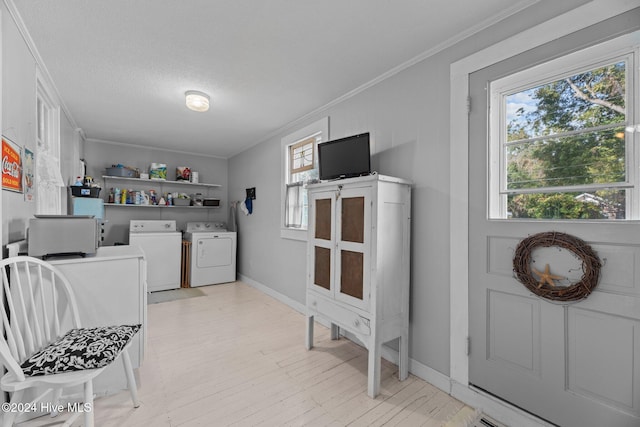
{"x":48,"y":177}
{"x":302,"y":168}
{"x":563,"y":137}
{"x":300,"y":155}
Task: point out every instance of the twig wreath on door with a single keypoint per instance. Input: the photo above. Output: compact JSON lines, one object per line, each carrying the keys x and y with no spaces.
{"x":544,"y":285}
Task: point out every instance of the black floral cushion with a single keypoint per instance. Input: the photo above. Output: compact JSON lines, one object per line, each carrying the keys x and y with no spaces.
{"x":78,"y":349}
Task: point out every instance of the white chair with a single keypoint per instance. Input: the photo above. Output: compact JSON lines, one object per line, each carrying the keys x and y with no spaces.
{"x":43,"y":344}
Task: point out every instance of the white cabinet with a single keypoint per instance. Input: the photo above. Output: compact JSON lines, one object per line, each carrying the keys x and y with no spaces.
{"x":110,"y":289}
{"x":358,"y":264}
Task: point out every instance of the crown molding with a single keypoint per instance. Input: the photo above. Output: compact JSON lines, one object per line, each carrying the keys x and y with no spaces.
{"x":149,"y":147}
{"x":44,"y":72}
{"x":517,"y":7}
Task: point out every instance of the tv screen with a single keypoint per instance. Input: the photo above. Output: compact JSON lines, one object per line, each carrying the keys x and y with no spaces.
{"x":345,"y":157}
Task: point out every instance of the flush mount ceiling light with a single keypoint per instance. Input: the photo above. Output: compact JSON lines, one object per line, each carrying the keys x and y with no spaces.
{"x":197,"y":101}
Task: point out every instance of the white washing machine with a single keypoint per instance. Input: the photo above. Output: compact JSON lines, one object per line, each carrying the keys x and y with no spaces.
{"x":213,"y":253}
{"x":162,"y":246}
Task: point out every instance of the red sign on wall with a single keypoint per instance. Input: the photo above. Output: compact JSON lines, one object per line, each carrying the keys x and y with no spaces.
{"x":11,"y":166}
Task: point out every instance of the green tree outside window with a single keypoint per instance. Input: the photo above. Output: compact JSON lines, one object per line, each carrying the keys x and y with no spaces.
{"x":569,"y":132}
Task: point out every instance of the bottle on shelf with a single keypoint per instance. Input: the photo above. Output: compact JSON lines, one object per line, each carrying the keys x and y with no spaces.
{"x":157,"y":196}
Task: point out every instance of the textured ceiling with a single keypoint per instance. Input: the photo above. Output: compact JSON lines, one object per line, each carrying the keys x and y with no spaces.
{"x":122,"y":66}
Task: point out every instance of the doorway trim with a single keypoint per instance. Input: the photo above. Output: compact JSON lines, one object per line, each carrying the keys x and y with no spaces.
{"x":2,"y":231}
{"x":562,"y":25}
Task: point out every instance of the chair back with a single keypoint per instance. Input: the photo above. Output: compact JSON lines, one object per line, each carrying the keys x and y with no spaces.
{"x":39,"y":307}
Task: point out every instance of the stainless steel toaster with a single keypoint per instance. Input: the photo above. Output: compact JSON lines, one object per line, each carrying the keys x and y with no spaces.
{"x":63,"y":235}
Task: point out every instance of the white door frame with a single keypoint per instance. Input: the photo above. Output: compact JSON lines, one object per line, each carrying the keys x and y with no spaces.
{"x":2,"y":243}
{"x":574,"y":20}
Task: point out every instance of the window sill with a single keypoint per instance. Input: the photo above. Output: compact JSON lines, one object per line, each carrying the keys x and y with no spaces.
{"x":289,"y":233}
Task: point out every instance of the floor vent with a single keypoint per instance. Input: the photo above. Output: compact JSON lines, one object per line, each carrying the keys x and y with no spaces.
{"x":484,"y":421}
{"x":467,"y":417}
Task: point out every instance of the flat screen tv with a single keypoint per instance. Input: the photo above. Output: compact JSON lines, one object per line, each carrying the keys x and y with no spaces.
{"x":345,"y":157}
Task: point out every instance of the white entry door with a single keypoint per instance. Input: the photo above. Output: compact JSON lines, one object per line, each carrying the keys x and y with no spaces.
{"x":573,"y":364}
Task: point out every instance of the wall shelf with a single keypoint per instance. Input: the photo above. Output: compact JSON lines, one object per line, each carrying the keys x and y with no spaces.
{"x":137,"y":182}
{"x":129,"y":205}
{"x":160,"y":182}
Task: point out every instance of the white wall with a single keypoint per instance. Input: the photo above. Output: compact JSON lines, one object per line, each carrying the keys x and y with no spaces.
{"x":99,"y":155}
{"x":408,"y":117}
{"x":18,"y":118}
{"x":19,"y":123}
{"x":19,"y":68}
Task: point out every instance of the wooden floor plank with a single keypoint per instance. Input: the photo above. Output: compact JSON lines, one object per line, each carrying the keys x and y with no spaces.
{"x":236,"y":357}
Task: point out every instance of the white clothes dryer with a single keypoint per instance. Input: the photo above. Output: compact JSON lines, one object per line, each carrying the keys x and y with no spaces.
{"x":213,"y":253}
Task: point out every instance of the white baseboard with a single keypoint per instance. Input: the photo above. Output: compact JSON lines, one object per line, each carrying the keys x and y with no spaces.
{"x":430,"y":375}
{"x":418,"y":369}
{"x":495,"y":408}
{"x":301,"y":308}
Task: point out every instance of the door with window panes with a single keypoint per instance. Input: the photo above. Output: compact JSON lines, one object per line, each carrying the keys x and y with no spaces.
{"x":561,"y":156}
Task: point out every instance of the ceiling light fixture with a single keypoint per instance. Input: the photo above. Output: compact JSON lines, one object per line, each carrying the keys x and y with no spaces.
{"x":197,"y":101}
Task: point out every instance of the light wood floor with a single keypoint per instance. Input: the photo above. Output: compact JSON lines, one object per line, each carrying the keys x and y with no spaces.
{"x":236,"y":357}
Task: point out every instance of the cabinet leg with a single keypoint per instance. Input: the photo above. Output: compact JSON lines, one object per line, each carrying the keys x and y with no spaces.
{"x":309,"y":334}
{"x":373,"y":377}
{"x":335,"y":332}
{"x":403,"y":357}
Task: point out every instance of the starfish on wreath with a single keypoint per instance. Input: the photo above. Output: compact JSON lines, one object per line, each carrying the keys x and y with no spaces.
{"x":546,"y":277}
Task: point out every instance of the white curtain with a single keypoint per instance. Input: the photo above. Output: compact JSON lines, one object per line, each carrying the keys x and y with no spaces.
{"x":293,"y":205}
{"x":49,"y":182}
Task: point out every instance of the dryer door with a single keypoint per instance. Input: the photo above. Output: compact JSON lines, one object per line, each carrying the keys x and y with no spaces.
{"x":214,"y":251}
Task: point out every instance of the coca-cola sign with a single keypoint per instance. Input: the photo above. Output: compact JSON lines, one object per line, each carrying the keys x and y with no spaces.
{"x":11,"y":166}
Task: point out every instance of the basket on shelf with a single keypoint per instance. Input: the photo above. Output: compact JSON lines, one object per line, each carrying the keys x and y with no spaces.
{"x":85,"y":191}
{"x":177,"y":201}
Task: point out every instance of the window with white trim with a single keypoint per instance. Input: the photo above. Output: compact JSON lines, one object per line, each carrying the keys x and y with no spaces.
{"x":300,"y":159}
{"x":562,"y":137}
{"x":302,"y":155}
{"x":302,"y":169}
{"x":48,"y":177}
